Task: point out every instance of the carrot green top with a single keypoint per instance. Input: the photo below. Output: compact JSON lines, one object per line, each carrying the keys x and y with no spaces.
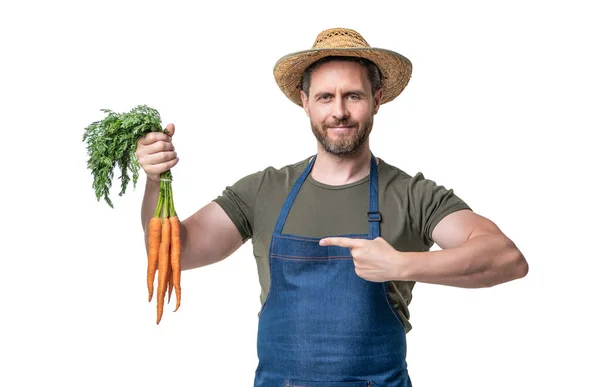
{"x":112,"y":141}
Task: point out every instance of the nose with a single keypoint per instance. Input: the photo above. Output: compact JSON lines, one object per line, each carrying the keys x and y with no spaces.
{"x":339,"y":110}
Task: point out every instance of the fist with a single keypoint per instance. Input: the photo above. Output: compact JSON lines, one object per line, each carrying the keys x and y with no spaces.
{"x":156,"y":153}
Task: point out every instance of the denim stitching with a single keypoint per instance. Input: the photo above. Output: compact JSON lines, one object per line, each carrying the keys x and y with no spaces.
{"x":264,"y":305}
{"x":310,"y":259}
{"x":387,"y":300}
{"x":310,"y":239}
{"x":291,"y":383}
{"x":275,"y":255}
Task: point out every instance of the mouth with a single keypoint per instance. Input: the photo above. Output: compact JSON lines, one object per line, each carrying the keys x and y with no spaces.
{"x":340,"y":128}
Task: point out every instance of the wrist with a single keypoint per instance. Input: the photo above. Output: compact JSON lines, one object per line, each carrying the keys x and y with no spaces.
{"x":153,"y":179}
{"x":405,"y":266}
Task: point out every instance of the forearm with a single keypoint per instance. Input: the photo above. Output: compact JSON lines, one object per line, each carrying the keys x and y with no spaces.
{"x":481,"y":261}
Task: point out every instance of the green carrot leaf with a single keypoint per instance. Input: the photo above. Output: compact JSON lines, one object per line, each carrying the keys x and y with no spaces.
{"x":111,"y":143}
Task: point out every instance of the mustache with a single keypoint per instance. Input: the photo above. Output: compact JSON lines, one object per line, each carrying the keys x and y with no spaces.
{"x":342,"y":122}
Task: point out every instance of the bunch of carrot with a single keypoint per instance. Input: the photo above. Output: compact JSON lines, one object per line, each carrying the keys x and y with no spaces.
{"x":111,"y":143}
{"x":164,"y":248}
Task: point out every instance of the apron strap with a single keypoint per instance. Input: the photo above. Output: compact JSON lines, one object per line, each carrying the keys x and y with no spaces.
{"x":374,"y":216}
{"x":285,"y":210}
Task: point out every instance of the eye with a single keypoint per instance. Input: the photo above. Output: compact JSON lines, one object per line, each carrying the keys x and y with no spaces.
{"x":353,"y":97}
{"x":324,"y":98}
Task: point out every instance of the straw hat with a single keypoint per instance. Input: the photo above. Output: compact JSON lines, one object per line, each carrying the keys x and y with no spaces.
{"x":395,"y":68}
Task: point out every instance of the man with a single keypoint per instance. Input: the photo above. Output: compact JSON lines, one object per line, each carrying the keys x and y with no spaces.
{"x":341,"y":237}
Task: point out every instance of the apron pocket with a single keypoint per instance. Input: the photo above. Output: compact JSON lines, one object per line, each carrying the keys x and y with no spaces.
{"x":304,"y":383}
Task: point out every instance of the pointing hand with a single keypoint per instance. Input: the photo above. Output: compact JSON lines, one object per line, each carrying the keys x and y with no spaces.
{"x":374,"y":260}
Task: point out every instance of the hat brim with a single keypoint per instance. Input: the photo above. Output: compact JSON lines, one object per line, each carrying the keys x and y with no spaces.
{"x":395,"y":69}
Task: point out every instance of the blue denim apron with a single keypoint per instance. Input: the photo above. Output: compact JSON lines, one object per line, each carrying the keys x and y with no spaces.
{"x":321,"y":324}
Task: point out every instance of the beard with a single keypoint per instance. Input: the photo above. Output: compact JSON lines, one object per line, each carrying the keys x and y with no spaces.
{"x":346,"y":145}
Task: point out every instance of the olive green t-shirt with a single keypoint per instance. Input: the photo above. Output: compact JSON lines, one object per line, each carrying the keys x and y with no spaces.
{"x":410,"y":209}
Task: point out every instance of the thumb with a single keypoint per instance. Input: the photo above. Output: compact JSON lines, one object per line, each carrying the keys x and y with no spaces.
{"x":171,"y":129}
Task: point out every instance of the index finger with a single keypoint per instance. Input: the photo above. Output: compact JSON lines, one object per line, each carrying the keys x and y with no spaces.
{"x":340,"y":241}
{"x":152,"y":137}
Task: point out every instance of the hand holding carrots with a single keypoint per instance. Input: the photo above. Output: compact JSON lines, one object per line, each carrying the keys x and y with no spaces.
{"x":127,"y":141}
{"x":156,"y":155}
{"x":155,"y":152}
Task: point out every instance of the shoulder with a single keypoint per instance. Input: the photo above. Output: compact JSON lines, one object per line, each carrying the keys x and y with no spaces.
{"x":271,"y":174}
{"x":391,"y":172}
{"x":401,"y":179}
{"x":296,"y":167}
{"x":281,"y":175}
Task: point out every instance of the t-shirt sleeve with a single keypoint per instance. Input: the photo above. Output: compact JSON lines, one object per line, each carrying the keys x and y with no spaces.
{"x":238,"y":201}
{"x":430,"y":203}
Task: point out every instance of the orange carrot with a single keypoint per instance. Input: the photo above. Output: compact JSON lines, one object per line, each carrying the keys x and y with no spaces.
{"x":175,"y":257}
{"x":154,"y":229}
{"x":170,"y":274}
{"x":163,"y":267}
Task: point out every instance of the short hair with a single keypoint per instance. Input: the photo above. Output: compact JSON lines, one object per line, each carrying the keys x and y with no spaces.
{"x":373,"y":73}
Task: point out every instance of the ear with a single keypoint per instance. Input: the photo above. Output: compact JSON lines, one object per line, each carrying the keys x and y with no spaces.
{"x":377,"y":101}
{"x":304,"y":102}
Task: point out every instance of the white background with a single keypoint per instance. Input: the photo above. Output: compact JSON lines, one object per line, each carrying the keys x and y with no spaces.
{"x":501,"y":108}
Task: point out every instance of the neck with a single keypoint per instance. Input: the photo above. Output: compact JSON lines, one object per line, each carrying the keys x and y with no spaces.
{"x":335,"y":170}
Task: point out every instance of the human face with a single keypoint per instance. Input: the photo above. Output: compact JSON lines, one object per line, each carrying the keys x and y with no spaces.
{"x":341,"y":106}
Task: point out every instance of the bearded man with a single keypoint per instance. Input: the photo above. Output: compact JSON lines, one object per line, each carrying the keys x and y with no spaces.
{"x":341,"y":237}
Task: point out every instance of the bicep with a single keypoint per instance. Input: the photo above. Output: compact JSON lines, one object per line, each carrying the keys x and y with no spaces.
{"x":458,"y":227}
{"x":210,"y":236}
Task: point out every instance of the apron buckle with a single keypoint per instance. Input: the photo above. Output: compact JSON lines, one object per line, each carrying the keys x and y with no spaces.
{"x":374,"y":216}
